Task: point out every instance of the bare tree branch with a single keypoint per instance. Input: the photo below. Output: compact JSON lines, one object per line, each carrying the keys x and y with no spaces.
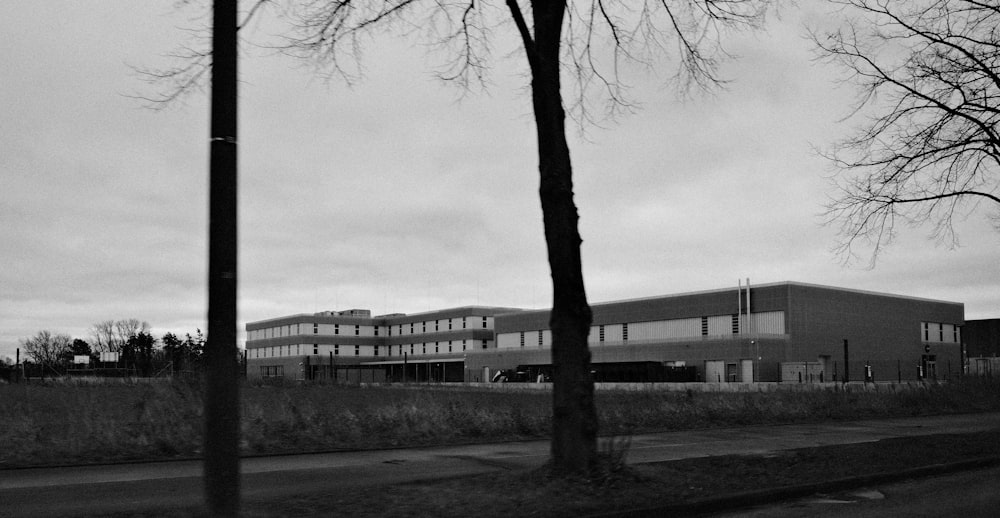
{"x":928,"y":75}
{"x":193,"y":62}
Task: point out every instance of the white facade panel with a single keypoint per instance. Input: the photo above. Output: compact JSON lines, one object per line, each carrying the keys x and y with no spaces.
{"x":936,"y":332}
{"x":326,"y":329}
{"x":546,"y":338}
{"x":720,"y":325}
{"x":508,"y":340}
{"x":613,"y":333}
{"x":947,"y":333}
{"x":767,"y":322}
{"x":665,"y":329}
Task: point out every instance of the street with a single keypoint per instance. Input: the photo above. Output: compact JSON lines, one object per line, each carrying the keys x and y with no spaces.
{"x":96,"y":490}
{"x":967,"y":494}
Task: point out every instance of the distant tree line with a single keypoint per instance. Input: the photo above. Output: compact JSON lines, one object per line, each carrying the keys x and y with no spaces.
{"x":139,"y":353}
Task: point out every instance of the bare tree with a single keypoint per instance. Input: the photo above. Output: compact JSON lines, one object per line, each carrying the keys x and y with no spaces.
{"x":103,"y":338}
{"x":591,"y":43}
{"x":45,"y":348}
{"x":928,"y":74}
{"x":112,"y":335}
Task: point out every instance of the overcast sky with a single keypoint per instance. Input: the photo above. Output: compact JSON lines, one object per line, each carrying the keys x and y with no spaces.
{"x":400,"y":195}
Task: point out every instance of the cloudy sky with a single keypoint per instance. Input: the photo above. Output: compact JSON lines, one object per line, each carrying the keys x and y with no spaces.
{"x":401,"y":195}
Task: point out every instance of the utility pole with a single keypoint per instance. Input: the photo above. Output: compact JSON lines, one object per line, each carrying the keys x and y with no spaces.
{"x":222,"y":420}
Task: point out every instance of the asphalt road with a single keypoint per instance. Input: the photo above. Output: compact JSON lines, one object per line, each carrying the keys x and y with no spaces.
{"x":98,"y":490}
{"x":968,"y":494}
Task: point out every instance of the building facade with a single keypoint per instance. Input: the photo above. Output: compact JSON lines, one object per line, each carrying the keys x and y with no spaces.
{"x":780,"y":332}
{"x":982,"y":338}
{"x":353,"y":345}
{"x":787,"y":332}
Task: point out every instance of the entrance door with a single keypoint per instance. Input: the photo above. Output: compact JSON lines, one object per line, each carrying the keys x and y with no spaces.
{"x":732,"y":375}
{"x":930,"y":366}
{"x":714,"y":371}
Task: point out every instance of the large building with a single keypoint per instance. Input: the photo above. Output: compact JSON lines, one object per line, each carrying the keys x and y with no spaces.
{"x":787,"y":332}
{"x":353,"y":345}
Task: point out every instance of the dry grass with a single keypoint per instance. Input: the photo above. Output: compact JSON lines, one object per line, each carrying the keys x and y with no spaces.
{"x":60,"y":423}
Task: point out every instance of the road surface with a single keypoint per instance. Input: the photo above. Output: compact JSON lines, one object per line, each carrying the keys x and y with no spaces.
{"x":97,"y":490}
{"x":968,"y":494}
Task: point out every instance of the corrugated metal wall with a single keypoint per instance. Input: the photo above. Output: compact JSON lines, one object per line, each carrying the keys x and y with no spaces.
{"x":767,"y":323}
{"x":665,"y":329}
{"x":764,"y":323}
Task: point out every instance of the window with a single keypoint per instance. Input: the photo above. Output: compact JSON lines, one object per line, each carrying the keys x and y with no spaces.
{"x":315,"y":329}
{"x":376,"y":331}
{"x":376,"y":350}
{"x":411,"y":328}
{"x":736,"y":324}
{"x":940,"y":332}
{"x":522,"y":338}
{"x":449,"y":345}
{"x":704,"y":326}
{"x":436,"y":349}
{"x":539,"y":338}
{"x":484,"y":322}
{"x":357,"y":350}
{"x":463,"y":322}
{"x":484,"y":344}
{"x":357,"y":330}
{"x":927,"y":337}
{"x":336,"y":329}
{"x":272,"y":371}
{"x":423,"y":348}
{"x":411,"y":348}
{"x":449,"y":324}
{"x":336,"y":350}
{"x":435,"y":325}
{"x":423,"y":327}
{"x":600,"y":333}
{"x":625,"y":332}
{"x":315,"y":348}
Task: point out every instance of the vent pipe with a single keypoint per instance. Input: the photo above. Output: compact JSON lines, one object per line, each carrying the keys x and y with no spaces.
{"x":739,"y":305}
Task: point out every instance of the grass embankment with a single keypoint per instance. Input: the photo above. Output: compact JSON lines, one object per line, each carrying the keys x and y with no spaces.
{"x":60,"y":423}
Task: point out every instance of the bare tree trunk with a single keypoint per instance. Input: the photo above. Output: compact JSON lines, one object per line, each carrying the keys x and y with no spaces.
{"x":574,"y":421}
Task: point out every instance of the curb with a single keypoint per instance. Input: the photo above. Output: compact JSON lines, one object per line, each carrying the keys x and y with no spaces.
{"x":770,"y":496}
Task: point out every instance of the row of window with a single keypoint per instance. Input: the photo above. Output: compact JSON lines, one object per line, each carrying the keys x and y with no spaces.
{"x":762,"y":323}
{"x":438,"y":326}
{"x":941,"y":333}
{"x":356,"y":350}
{"x":362,"y":330}
{"x":272,"y":371}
